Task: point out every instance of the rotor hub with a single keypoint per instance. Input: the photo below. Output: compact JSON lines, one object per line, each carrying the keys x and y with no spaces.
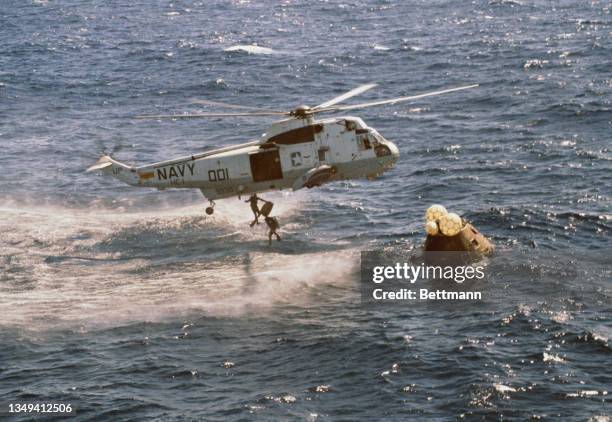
{"x":302,"y":111}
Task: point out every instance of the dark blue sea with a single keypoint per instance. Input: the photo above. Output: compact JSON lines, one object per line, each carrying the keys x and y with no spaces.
{"x":132,"y":304}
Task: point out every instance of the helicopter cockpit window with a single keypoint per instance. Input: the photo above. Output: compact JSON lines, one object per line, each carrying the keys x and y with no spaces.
{"x":350,"y":125}
{"x":366,"y":143}
{"x":378,"y":137}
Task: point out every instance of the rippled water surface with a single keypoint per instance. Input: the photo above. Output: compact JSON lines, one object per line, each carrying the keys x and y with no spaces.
{"x":132,"y":303}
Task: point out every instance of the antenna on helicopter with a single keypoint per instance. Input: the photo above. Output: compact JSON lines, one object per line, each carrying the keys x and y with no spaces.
{"x":304,"y":111}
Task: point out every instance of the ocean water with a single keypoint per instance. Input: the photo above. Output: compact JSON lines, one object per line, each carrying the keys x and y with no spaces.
{"x":132,"y":304}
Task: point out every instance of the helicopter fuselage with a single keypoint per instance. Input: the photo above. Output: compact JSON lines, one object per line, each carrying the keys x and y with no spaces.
{"x":292,"y":154}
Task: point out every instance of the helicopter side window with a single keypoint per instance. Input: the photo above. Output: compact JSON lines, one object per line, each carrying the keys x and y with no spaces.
{"x":363,"y":142}
{"x":296,"y":136}
{"x":323,"y":153}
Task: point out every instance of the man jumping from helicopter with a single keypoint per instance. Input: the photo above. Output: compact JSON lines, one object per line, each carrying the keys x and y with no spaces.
{"x":254,"y":207}
{"x":257,"y":212}
{"x":273,"y":225}
{"x":265,"y":210}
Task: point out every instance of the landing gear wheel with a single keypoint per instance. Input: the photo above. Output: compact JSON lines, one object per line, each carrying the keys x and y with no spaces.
{"x":211,"y":208}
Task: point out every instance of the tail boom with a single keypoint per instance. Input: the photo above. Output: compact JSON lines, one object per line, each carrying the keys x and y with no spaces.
{"x":123,"y":172}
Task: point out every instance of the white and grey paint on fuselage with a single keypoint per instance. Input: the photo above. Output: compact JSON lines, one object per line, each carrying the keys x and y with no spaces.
{"x":226,"y":174}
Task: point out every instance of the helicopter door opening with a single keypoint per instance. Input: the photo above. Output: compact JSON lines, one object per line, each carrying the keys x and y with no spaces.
{"x":266,"y":166}
{"x":323,"y":153}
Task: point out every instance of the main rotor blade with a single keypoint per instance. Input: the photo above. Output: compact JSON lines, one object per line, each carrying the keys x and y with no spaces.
{"x":345,"y":96}
{"x":394,"y":100}
{"x":189,"y":116}
{"x":226,"y":105}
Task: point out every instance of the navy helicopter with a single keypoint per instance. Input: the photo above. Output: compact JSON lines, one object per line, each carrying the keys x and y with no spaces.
{"x":299,"y":151}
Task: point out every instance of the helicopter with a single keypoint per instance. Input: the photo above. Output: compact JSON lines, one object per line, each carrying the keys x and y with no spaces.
{"x":299,"y":151}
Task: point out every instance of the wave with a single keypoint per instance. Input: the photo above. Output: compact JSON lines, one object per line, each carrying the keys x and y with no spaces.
{"x":251,"y":49}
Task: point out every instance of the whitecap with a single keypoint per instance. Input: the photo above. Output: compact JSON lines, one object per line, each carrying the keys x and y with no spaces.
{"x":599,"y":337}
{"x":255,"y":407}
{"x":287,"y":398}
{"x":251,"y":49}
{"x":418,"y":109}
{"x":535,"y":63}
{"x":561,"y":317}
{"x":380,"y":47}
{"x":549,"y":357}
{"x":586,"y":393}
{"x":501,"y":388}
{"x":599,"y":418}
